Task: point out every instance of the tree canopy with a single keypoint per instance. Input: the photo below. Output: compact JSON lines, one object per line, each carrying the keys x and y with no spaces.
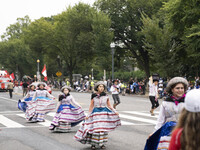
{"x":156,"y":36}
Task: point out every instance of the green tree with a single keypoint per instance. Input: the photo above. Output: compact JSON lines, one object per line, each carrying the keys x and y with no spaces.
{"x":126,"y":24}
{"x":81,"y":34}
{"x":38,"y":36}
{"x":183,"y":19}
{"x":163,"y":49}
{"x":73,"y":39}
{"x":16,"y":30}
{"x":15,"y":55}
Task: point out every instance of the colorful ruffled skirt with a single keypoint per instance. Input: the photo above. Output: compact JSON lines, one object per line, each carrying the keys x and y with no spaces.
{"x":95,"y":129}
{"x":37,"y":108}
{"x":67,"y":116}
{"x":160,"y":140}
{"x":22,"y":105}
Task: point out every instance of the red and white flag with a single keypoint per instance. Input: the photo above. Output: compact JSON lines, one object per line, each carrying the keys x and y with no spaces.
{"x":7,"y":74}
{"x":12,"y":76}
{"x":44,"y":73}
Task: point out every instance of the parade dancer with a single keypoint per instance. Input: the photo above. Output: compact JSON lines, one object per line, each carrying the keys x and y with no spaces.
{"x":153,"y":94}
{"x":102,"y":118}
{"x":115,"y":89}
{"x":186,"y":135}
{"x":42,"y":103}
{"x":22,"y":105}
{"x":169,"y":113}
{"x":30,"y":94}
{"x":69,"y":112}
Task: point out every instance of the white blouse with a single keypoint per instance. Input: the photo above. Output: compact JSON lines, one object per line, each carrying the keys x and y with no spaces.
{"x":42,"y":93}
{"x":69,"y":100}
{"x":114,"y":88}
{"x":29,"y":94}
{"x":169,"y":111}
{"x":153,"y":89}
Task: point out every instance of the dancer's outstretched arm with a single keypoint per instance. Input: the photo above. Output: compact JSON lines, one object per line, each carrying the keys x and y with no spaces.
{"x":90,"y":108}
{"x":110,"y":106}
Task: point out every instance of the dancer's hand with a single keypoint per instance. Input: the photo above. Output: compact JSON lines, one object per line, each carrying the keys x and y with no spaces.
{"x":117,"y":113}
{"x":86,"y":117}
{"x":150,"y":135}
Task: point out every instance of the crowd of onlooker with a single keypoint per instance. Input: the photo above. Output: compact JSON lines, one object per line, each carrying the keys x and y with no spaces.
{"x":133,"y":86}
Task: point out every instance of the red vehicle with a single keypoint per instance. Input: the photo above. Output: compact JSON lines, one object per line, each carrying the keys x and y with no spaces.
{"x":4,"y":83}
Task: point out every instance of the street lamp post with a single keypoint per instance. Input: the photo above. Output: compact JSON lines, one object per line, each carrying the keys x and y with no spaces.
{"x":38,"y":70}
{"x":35,"y":78}
{"x":92,"y":74}
{"x":112,"y":46}
{"x":17,"y":77}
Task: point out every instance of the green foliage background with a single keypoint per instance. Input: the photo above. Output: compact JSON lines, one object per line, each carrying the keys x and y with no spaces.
{"x":160,"y":36}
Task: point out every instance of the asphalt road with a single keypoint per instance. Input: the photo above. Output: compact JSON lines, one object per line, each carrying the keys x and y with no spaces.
{"x":17,"y":134}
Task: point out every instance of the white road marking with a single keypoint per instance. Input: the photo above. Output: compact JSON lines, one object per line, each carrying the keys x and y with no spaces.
{"x":2,"y":112}
{"x":9,"y":99}
{"x":127,"y":123}
{"x":47,"y":123}
{"x":155,"y":112}
{"x":52,"y":114}
{"x":122,"y":122}
{"x":9,"y":123}
{"x":140,"y":113}
{"x":21,"y":115}
{"x":137,"y":119}
{"x":25,"y":127}
{"x":12,"y":124}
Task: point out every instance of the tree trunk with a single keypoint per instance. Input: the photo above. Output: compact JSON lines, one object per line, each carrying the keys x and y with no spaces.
{"x":146,"y":65}
{"x":71,"y":76}
{"x":143,"y":61}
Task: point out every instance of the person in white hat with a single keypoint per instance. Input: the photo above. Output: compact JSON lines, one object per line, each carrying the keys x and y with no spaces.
{"x":69,"y":112}
{"x":30,"y":93}
{"x":102,"y":118}
{"x":41,"y":103}
{"x":25,"y":100}
{"x":174,"y":103}
{"x":186,"y":135}
{"x":170,"y":110}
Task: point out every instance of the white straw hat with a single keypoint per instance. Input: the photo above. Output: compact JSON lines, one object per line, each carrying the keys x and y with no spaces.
{"x":176,"y":80}
{"x":192,"y":101}
{"x":99,"y":83}
{"x":66,"y":87}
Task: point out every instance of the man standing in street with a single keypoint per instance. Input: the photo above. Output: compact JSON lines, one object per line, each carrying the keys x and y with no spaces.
{"x":153,"y":94}
{"x":25,"y":88}
{"x":10,"y":88}
{"x":115,"y":93}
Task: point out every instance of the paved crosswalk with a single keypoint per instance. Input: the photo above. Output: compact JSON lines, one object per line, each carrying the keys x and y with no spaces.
{"x":128,"y":118}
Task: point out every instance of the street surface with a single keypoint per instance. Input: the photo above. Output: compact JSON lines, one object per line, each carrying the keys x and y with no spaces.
{"x":17,"y":134}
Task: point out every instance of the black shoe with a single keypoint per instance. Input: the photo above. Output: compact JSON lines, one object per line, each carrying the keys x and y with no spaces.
{"x":103,"y":147}
{"x":93,"y":147}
